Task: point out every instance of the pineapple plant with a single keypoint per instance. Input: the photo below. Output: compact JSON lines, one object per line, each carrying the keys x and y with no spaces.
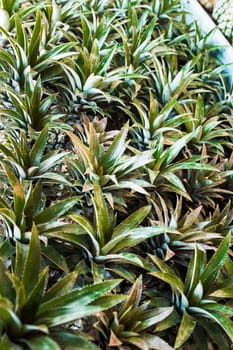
{"x":197,"y":299}
{"x":116,"y":178}
{"x":130,"y":325}
{"x":104,"y":156}
{"x":35,"y":321}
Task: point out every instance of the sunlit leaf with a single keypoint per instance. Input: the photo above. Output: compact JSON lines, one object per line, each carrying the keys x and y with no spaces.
{"x":185,"y":330}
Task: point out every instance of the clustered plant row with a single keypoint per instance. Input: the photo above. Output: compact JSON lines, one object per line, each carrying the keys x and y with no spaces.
{"x":116,"y":167}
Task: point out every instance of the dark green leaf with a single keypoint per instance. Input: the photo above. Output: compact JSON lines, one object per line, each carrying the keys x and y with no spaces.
{"x":35,"y":41}
{"x":30,"y":275}
{"x":195,"y":269}
{"x":19,"y":198}
{"x":56,"y":210}
{"x":102,"y":217}
{"x":73,"y":341}
{"x":116,"y":149}
{"x":75,"y":311}
{"x":42,"y":342}
{"x":129,"y":239}
{"x":6,"y":288}
{"x":52,"y":254}
{"x":6,"y":249}
{"x":31,"y":306}
{"x":132,"y":221}
{"x":39,"y":147}
{"x":225,"y":323}
{"x":167,"y":274}
{"x":5,"y":343}
{"x":78,"y":298}
{"x":215,"y":264}
{"x":61,"y":287}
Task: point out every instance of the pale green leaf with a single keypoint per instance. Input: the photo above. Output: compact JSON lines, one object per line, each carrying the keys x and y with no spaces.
{"x":156,"y":343}
{"x":223,"y":293}
{"x":185,"y":330}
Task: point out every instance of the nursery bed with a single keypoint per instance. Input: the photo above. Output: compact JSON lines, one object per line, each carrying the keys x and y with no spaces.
{"x":116,"y":166}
